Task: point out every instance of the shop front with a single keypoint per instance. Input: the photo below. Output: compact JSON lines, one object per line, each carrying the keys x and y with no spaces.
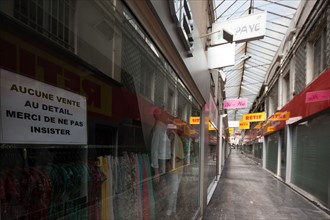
{"x":94,"y":119}
{"x":297,"y":146}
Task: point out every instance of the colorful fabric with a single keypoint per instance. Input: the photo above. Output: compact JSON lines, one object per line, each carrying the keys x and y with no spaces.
{"x":150,"y":187}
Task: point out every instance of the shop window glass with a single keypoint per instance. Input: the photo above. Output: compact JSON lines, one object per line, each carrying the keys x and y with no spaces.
{"x":51,"y":18}
{"x":127,"y":121}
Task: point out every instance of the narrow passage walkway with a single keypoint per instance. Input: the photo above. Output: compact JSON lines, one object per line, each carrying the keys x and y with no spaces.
{"x":246,"y":191}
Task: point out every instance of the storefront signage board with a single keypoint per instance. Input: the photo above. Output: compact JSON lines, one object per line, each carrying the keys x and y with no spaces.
{"x":194,"y":120}
{"x":317,"y":96}
{"x":260,"y":116}
{"x":244,"y":125}
{"x":221,"y":56}
{"x":251,"y":27}
{"x":233,"y":124}
{"x":33,"y":112}
{"x":258,"y":126}
{"x":235,"y":103}
{"x":280,"y":116}
{"x":211,"y":127}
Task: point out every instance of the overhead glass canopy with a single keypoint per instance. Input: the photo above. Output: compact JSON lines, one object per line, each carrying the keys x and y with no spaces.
{"x":253,"y":58}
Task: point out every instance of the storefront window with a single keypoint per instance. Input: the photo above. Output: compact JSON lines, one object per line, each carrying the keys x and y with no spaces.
{"x":101,"y":133}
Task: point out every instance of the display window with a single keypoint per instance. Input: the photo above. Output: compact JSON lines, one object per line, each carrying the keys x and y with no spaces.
{"x":94,"y":121}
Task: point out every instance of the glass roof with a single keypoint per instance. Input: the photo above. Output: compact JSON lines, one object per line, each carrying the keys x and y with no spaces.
{"x":253,"y":58}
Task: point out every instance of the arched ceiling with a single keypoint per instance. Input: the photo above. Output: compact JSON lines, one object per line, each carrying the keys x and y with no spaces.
{"x":253,"y":58}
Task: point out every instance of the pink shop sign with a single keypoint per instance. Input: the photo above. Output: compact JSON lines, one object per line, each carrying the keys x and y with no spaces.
{"x":318,"y":96}
{"x":235,"y":103}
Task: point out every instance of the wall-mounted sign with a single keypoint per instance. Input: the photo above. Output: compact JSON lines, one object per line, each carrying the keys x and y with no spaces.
{"x":194,"y":120}
{"x":211,"y":127}
{"x":37,"y":113}
{"x":231,"y":130}
{"x":260,"y":116}
{"x":280,"y":116}
{"x":244,"y":125}
{"x":235,"y":103}
{"x":318,"y":96}
{"x":251,"y":27}
{"x":221,"y":56}
{"x":181,"y":12}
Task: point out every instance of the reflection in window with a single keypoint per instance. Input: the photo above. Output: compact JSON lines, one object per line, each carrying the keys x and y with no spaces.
{"x":51,"y":18}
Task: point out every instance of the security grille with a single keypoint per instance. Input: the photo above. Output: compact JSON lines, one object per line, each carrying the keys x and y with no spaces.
{"x":51,"y":18}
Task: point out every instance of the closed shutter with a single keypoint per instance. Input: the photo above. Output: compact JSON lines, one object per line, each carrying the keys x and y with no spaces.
{"x":310,"y":157}
{"x":272,"y":153}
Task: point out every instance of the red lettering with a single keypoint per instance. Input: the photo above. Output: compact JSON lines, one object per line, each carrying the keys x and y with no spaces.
{"x":27,"y":62}
{"x":50,"y":70}
{"x":8,"y":55}
{"x":93,"y":93}
{"x":71,"y":81}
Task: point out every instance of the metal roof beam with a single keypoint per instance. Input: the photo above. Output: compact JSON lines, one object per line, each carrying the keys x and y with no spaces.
{"x":277,"y":3}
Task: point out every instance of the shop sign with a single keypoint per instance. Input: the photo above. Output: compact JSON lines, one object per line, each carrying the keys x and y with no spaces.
{"x":280,"y":116}
{"x":221,"y":56}
{"x":37,"y":113}
{"x":270,"y":128}
{"x":181,"y":12}
{"x":318,"y":96}
{"x":258,"y":126}
{"x":233,"y":124}
{"x":194,"y":120}
{"x":260,"y":116}
{"x":244,"y":125}
{"x":235,"y":103}
{"x":211,"y":126}
{"x":293,"y":120}
{"x":231,"y":130}
{"x":251,"y":27}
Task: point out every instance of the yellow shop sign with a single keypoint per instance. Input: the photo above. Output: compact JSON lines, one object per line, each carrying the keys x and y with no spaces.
{"x":194,"y":120}
{"x":244,"y":125}
{"x":260,"y":116}
{"x":280,"y":116}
